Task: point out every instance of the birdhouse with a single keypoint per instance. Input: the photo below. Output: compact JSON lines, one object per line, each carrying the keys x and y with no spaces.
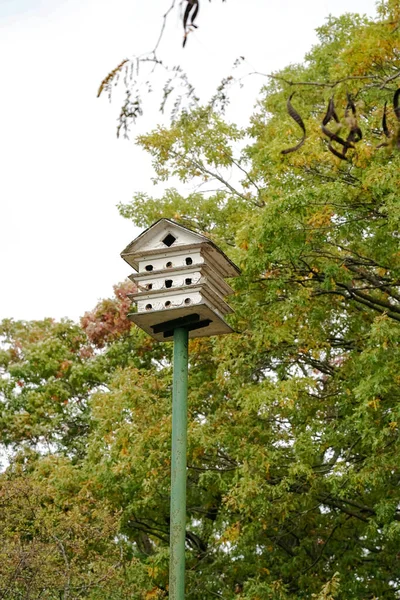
{"x":180,"y":280}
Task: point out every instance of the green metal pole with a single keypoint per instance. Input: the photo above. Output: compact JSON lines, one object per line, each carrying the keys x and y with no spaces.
{"x":178,"y":466}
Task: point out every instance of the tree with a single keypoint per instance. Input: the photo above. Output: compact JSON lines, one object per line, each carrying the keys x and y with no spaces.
{"x":46,"y":384}
{"x":294,"y":420}
{"x":60,"y":522}
{"x":56,"y":541}
{"x":310,"y":384}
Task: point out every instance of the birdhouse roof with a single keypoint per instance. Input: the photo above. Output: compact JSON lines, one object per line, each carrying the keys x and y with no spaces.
{"x":167,"y":237}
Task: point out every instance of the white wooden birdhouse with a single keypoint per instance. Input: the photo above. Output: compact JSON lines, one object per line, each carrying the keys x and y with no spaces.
{"x":180,"y":281}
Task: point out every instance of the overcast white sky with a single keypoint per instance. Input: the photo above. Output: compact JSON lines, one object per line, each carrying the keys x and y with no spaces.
{"x":62,"y":169}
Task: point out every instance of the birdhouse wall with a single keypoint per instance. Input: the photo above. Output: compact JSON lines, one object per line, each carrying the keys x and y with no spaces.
{"x":184,"y":297}
{"x":169,"y":260}
{"x":167,"y":280}
{"x":177,"y":278}
{"x":164,"y":302}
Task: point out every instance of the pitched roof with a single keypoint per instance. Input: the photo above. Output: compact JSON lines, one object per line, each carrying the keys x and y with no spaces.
{"x":166,"y":236}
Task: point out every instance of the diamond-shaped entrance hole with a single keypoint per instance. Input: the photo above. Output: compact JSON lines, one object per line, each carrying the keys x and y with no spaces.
{"x":169,"y":240}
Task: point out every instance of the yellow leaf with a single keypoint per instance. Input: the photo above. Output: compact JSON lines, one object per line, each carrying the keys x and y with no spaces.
{"x":374,"y":403}
{"x":152,"y":572}
{"x":232,"y":533}
{"x":154,"y":593}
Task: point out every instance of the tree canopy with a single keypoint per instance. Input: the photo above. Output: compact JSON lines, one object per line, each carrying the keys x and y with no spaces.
{"x":293,"y":457}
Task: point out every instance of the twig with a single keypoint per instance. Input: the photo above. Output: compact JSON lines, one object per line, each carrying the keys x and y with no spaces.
{"x":204,"y":169}
{"x":390,"y":79}
{"x":165,"y":17}
{"x":66,"y":561}
{"x":330,"y":84}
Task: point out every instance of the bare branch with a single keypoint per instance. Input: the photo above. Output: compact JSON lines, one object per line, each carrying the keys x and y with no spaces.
{"x":329,"y":84}
{"x":165,"y":17}
{"x":214,"y":175}
{"x":68,"y":570}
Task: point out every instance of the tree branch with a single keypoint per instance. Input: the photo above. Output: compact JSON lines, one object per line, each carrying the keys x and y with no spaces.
{"x":330,"y":84}
{"x":67,"y":585}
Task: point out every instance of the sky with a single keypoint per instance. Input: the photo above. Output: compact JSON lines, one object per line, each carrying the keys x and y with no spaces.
{"x":63,"y":170}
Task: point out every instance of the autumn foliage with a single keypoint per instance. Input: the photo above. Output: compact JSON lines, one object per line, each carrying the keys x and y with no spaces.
{"x":294,"y":420}
{"x":109,"y":319}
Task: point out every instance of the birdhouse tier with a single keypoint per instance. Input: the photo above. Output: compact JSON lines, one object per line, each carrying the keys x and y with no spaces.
{"x":166,"y":244}
{"x":185,"y":296}
{"x":179,"y":279}
{"x":170,"y":260}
